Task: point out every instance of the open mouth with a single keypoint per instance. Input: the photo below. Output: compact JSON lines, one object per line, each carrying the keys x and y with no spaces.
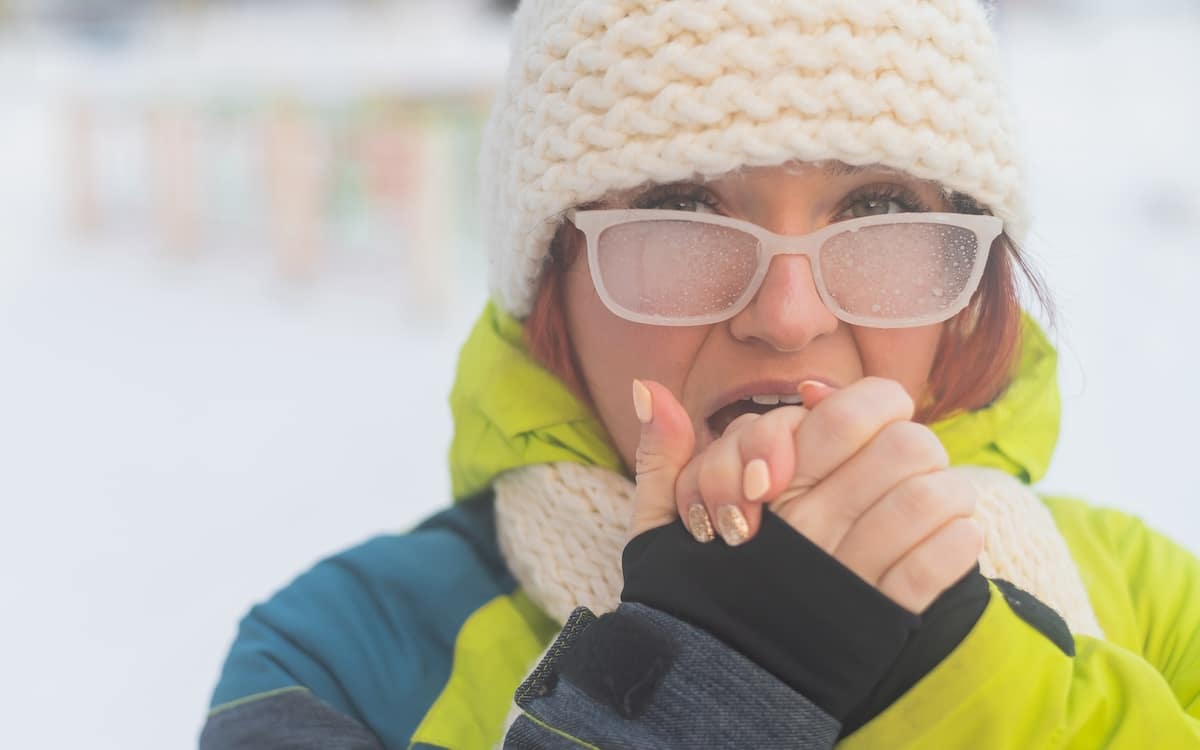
{"x":720,"y":420}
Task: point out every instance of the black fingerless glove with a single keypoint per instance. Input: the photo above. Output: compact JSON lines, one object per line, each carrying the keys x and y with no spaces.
{"x":800,"y":614}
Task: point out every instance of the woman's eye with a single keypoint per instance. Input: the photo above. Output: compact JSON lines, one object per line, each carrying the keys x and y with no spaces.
{"x":692,"y":202}
{"x":684,"y":204}
{"x":873,"y":207}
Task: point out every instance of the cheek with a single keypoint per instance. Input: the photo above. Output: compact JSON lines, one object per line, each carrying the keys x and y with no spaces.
{"x":612,"y":352}
{"x":903,"y":354}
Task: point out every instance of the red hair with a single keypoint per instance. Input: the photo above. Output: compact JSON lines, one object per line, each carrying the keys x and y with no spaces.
{"x":546,"y":327}
{"x":975,"y":359}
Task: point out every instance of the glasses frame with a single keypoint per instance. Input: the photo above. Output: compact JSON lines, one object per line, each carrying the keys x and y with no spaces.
{"x":593,"y":223}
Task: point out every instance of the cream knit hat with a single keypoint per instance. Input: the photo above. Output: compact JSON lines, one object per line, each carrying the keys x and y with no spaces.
{"x":606,"y":95}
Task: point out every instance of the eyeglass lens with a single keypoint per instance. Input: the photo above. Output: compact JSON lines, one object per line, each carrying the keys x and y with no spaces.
{"x":676,"y":269}
{"x":688,"y":269}
{"x":898,"y":271}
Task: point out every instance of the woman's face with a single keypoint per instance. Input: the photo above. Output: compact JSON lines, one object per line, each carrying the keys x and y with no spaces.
{"x":786,"y":334}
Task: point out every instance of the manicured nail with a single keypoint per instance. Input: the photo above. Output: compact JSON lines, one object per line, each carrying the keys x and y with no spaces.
{"x":732,"y":525}
{"x":699,"y":523}
{"x":756,"y":479}
{"x":641,"y":402}
{"x":809,"y":385}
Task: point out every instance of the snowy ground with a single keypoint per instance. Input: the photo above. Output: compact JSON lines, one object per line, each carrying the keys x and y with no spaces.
{"x":178,"y":438}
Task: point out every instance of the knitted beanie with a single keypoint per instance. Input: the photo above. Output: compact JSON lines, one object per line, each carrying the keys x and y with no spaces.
{"x":605,"y":95}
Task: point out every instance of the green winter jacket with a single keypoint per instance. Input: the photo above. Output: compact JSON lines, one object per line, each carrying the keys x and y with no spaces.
{"x":420,"y":655}
{"x":1006,"y":685}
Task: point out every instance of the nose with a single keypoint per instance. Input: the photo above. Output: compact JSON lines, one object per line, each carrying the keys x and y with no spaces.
{"x":787,"y":312}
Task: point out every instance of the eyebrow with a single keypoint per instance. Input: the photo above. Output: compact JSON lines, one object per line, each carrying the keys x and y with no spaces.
{"x":833,"y":168}
{"x":842,"y":169}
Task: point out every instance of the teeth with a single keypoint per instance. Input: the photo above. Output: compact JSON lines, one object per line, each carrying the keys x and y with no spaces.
{"x":769,"y":399}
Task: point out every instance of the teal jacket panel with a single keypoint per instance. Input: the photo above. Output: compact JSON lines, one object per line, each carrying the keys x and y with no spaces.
{"x":371,"y":631}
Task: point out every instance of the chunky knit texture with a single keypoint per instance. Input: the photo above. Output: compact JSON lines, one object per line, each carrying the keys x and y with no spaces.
{"x":562,"y":528}
{"x":605,"y":95}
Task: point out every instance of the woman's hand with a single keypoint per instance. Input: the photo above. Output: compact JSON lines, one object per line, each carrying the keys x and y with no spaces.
{"x":849,"y":470}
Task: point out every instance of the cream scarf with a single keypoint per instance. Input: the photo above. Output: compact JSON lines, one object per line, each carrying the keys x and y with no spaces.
{"x":562,"y":527}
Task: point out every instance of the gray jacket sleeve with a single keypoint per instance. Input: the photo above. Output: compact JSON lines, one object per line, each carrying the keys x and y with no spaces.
{"x":291,"y":718}
{"x":640,"y":678}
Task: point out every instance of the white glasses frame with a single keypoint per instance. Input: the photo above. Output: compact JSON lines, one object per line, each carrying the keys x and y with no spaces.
{"x":593,"y":223}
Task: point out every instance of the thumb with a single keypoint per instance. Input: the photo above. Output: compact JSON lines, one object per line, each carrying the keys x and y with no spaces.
{"x":664,"y":448}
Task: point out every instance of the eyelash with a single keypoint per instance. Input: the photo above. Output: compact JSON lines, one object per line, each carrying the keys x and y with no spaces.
{"x":907,"y":199}
{"x":687,"y":192}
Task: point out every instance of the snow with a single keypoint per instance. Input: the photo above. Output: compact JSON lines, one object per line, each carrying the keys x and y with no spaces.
{"x":1105,"y":112}
{"x":181,"y":435}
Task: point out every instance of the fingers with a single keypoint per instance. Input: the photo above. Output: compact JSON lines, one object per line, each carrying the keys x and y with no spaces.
{"x":719,"y":480}
{"x":737,"y":471}
{"x":664,"y":448}
{"x":768,"y":445}
{"x":813,"y":392}
{"x":827,"y":512}
{"x":933,"y":565}
{"x":843,"y":422}
{"x":768,"y":453}
{"x":709,"y":496}
{"x":907,"y":515}
{"x":848,"y":470}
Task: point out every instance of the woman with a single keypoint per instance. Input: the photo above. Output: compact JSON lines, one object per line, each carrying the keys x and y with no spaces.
{"x":787,"y":230}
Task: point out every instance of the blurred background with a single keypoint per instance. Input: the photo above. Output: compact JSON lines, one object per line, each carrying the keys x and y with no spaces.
{"x":238,"y":252}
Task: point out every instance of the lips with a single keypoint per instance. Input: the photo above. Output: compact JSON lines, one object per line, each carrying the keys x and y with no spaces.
{"x":755,"y":398}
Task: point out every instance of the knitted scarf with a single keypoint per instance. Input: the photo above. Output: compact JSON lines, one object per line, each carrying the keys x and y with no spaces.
{"x":563,"y":504}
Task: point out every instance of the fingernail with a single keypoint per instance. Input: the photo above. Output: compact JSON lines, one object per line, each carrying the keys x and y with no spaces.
{"x":699,"y":523}
{"x":641,"y":402}
{"x":810,"y":385}
{"x":756,"y":479}
{"x":732,"y":525}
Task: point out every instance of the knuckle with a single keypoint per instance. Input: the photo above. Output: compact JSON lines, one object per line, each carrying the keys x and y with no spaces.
{"x":706,"y":474}
{"x":715,"y":474}
{"x":919,"y":497}
{"x":942,"y":560}
{"x":891,"y":393}
{"x":799,"y":516}
{"x":740,"y":423}
{"x":914,"y":445}
{"x":935,"y":564}
{"x":842,"y":418}
{"x":936,"y":495}
{"x":648,"y":461}
{"x":766,"y":433}
{"x":685,"y":486}
{"x":919,"y":577}
{"x":776,"y":420}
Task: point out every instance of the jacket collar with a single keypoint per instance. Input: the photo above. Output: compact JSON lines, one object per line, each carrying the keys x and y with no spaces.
{"x":510,"y":412}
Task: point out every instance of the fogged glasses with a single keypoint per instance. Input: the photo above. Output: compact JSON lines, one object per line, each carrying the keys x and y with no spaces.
{"x":677,"y":268}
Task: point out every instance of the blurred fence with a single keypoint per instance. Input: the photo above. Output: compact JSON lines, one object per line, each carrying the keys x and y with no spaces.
{"x":382,"y":183}
{"x":335,"y":139}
